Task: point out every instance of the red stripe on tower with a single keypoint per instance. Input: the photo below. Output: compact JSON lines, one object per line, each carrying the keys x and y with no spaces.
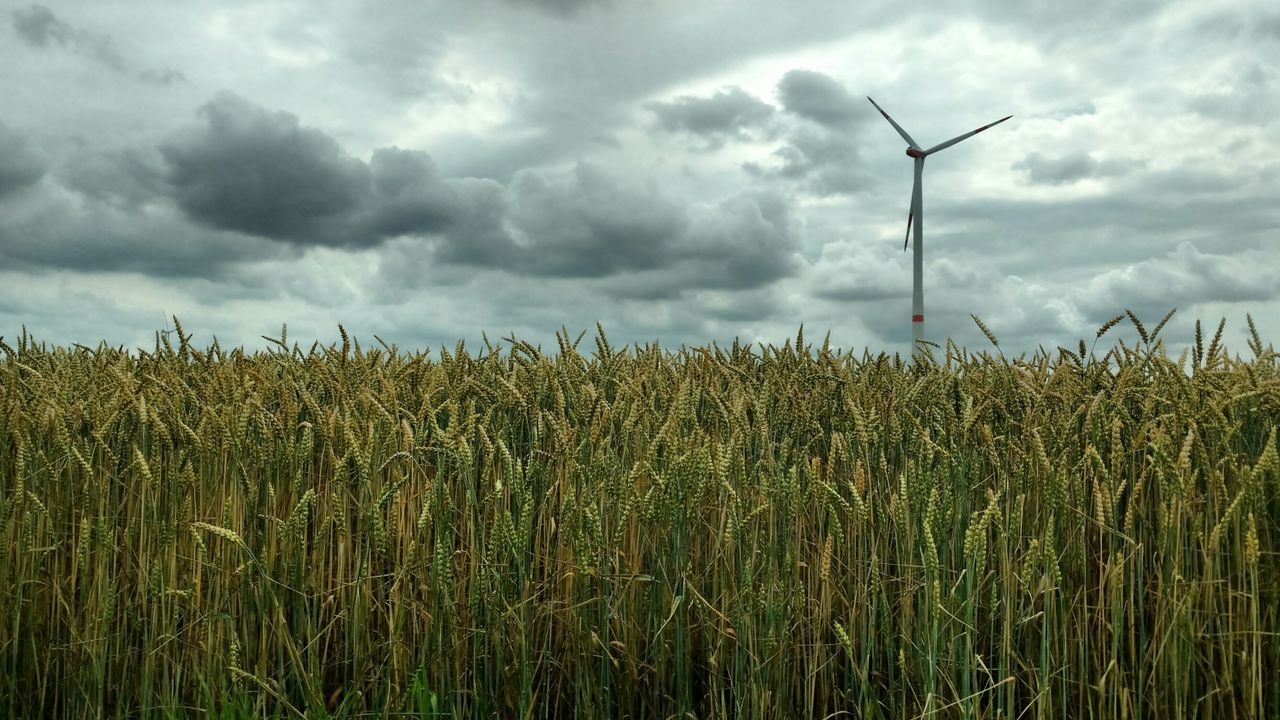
{"x":917,"y":318}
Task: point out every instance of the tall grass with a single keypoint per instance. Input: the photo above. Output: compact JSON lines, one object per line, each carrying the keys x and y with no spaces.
{"x":704,"y":533}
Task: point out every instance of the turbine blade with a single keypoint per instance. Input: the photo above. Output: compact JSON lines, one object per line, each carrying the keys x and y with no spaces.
{"x":955,"y":140}
{"x":895,"y":125}
{"x":911,"y":214}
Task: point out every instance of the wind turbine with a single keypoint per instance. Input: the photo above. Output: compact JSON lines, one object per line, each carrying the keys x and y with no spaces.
{"x":915,"y":218}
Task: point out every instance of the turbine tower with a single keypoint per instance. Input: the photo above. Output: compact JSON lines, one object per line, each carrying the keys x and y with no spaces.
{"x":915,"y":219}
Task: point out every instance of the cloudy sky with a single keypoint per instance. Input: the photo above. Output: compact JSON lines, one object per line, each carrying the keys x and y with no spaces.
{"x":681,"y":171}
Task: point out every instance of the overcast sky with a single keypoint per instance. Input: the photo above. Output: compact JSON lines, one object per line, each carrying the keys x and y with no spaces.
{"x":679,"y":171}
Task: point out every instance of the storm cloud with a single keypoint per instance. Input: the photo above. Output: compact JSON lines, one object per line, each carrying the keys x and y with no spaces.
{"x":820,"y":152}
{"x":726,"y":115}
{"x":126,"y":178}
{"x":39,"y":27}
{"x":558,"y":7}
{"x":1070,"y":168}
{"x":820,"y":98}
{"x":21,"y":163}
{"x":260,"y":172}
{"x":588,"y":223}
{"x":825,"y":163}
{"x":264,"y":173}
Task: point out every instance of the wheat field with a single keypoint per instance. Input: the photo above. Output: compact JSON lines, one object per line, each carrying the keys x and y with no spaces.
{"x":639,"y":533}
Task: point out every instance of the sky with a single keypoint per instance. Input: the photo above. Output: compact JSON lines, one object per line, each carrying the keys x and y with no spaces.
{"x":679,"y":172}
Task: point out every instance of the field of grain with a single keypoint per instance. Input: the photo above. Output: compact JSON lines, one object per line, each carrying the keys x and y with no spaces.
{"x":638,"y":533}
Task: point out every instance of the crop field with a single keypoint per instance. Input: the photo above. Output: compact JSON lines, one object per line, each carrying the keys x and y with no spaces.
{"x":637,"y":532}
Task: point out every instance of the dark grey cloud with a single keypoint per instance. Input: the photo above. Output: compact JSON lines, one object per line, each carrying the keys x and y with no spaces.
{"x":1070,"y":168}
{"x":477,"y":233}
{"x":833,"y":158}
{"x":253,"y":171}
{"x":167,"y":76}
{"x":21,"y":163}
{"x":38,"y":26}
{"x":822,"y":158}
{"x":558,"y":7}
{"x":126,"y":178}
{"x":591,"y":224}
{"x":740,"y":246}
{"x":827,"y":163}
{"x":726,"y":115}
{"x":92,"y":236}
{"x":260,"y":172}
{"x":409,"y":195}
{"x":820,"y":98}
{"x":1268,"y":26}
{"x":629,"y":238}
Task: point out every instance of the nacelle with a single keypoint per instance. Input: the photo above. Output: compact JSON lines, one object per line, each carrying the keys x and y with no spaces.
{"x":914,"y":153}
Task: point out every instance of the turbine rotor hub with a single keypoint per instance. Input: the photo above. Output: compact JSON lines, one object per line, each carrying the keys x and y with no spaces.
{"x":914,"y":153}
